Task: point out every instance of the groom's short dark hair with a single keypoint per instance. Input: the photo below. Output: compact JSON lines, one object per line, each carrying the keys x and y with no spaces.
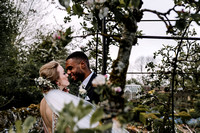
{"x":79,"y":55}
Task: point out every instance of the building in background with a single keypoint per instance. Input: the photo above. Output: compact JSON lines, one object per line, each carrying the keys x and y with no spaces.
{"x":132,"y":91}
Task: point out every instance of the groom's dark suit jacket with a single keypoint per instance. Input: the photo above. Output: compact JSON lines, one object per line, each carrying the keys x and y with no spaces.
{"x":94,"y":97}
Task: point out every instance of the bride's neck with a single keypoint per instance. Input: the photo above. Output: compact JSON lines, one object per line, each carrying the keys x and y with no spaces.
{"x":61,"y":87}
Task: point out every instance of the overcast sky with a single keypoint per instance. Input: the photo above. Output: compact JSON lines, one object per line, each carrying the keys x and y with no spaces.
{"x":146,"y":47}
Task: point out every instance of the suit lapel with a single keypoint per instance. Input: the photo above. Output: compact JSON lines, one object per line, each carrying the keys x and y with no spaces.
{"x":89,"y":84}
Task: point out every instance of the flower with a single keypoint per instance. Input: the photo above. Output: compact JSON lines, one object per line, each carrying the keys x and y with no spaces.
{"x":58,"y":37}
{"x":100,"y":1}
{"x":117,"y":89}
{"x":90,"y":3}
{"x":103,"y":12}
{"x":151,"y":92}
{"x":45,"y":83}
{"x":54,"y":35}
{"x":82,"y":92}
{"x":99,"y":80}
{"x":117,"y":125}
{"x":66,"y":90}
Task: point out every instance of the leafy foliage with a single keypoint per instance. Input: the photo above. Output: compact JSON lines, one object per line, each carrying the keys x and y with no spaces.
{"x":9,"y":19}
{"x":28,"y":123}
{"x":20,"y":66}
{"x":187,"y":65}
{"x":31,"y":58}
{"x":74,"y":114}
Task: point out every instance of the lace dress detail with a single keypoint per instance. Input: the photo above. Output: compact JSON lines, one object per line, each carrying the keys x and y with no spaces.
{"x":54,"y":121}
{"x":44,"y":126}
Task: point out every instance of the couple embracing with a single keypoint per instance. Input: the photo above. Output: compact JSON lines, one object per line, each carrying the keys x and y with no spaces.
{"x":53,"y":81}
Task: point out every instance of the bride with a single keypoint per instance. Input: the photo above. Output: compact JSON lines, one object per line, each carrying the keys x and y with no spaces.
{"x":53,"y":81}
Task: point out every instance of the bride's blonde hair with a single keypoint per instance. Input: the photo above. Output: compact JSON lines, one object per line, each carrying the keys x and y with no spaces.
{"x":49,"y":72}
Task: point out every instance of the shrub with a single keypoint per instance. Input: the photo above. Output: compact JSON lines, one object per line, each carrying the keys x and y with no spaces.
{"x":184,"y":116}
{"x":137,"y":111}
{"x":146,"y":118}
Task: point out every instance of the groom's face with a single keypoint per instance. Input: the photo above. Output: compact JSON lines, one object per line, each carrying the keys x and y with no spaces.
{"x":74,"y":70}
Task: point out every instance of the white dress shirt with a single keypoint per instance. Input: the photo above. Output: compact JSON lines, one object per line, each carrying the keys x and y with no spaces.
{"x":85,"y":82}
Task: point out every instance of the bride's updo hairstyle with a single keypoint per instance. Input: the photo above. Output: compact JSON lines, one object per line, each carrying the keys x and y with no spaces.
{"x":49,"y":72}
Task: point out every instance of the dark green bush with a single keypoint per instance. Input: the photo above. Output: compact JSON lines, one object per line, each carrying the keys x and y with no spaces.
{"x":145,"y":118}
{"x":138,"y":110}
{"x":184,"y":116}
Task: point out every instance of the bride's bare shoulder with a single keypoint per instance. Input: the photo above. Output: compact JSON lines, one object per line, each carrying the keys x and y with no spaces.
{"x":42,"y":104}
{"x":44,"y":107}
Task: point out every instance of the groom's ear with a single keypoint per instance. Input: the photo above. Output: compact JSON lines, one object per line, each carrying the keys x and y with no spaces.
{"x":83,"y":65}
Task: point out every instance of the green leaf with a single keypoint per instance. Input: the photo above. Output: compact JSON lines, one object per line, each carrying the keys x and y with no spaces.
{"x":121,"y":2}
{"x":96,"y":116}
{"x":196,"y":18}
{"x":127,"y":3}
{"x":69,"y":111}
{"x":135,"y":3}
{"x":68,"y":9}
{"x":181,"y":23}
{"x":85,"y":131}
{"x":83,"y":110}
{"x":104,"y":127}
{"x":28,"y":123}
{"x":11,"y":130}
{"x":68,"y":31}
{"x":78,"y":10}
{"x":18,"y":126}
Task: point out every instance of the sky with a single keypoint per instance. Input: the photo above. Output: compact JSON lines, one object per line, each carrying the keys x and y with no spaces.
{"x":145,"y":47}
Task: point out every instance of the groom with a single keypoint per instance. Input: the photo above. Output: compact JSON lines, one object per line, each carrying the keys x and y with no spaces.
{"x":78,"y":67}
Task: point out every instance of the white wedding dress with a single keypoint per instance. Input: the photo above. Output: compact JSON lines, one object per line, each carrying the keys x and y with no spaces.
{"x":57,"y":99}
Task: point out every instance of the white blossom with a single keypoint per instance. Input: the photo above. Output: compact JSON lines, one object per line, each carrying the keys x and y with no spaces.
{"x":144,"y":101}
{"x":82,"y":91}
{"x":55,"y":35}
{"x":41,"y":82}
{"x":117,"y":125}
{"x":100,"y":1}
{"x":117,"y":89}
{"x":90,"y":3}
{"x":198,"y":68}
{"x":67,"y":3}
{"x":103,"y":12}
{"x":99,"y":80}
{"x":152,"y":98}
{"x":90,"y":16}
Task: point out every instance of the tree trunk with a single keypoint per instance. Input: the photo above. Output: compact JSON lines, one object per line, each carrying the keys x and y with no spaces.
{"x":120,"y":65}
